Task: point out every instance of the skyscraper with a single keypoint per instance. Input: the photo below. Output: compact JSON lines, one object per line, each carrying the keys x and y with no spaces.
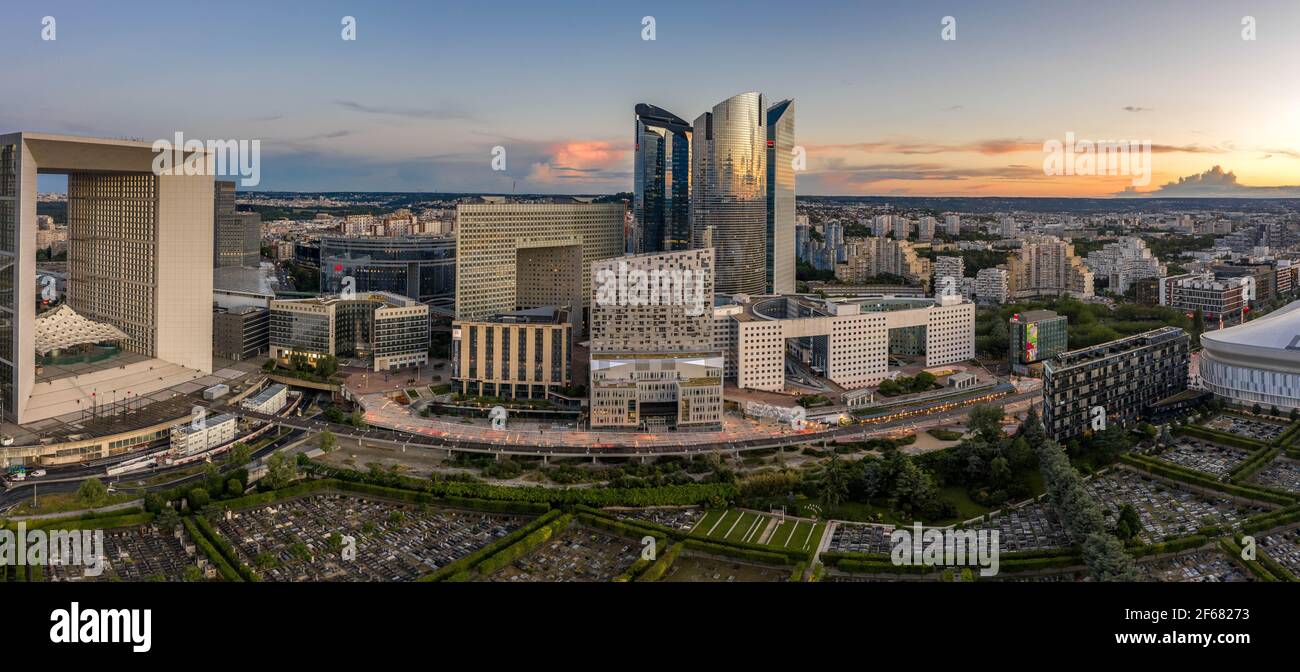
{"x":729,"y":191}
{"x":780,"y":198}
{"x":661,"y":200}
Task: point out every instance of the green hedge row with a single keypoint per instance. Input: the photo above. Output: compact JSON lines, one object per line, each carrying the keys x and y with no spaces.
{"x":102,"y":519}
{"x":1169,"y":546}
{"x":880,"y":563}
{"x":226,"y":550}
{"x":1289,"y":436}
{"x":736,"y":551}
{"x":1252,"y":464}
{"x":227,"y":572}
{"x":1272,"y":519}
{"x":1178,"y":473}
{"x":1231,"y":548}
{"x":662,"y":564}
{"x":668,"y":495}
{"x":528,"y":543}
{"x":796,"y":574}
{"x":464,"y":565}
{"x":1220,"y":437}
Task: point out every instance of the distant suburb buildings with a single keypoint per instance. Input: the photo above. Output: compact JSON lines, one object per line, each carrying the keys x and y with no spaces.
{"x":654,"y":364}
{"x":139,"y":259}
{"x":1046,"y":266}
{"x":1118,"y":381}
{"x":392,"y":331}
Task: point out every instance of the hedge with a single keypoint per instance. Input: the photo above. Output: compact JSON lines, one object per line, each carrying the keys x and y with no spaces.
{"x":1231,"y":548}
{"x":1289,"y":436}
{"x":530,"y":541}
{"x":881,"y":563}
{"x":226,"y":550}
{"x":668,"y":495}
{"x":1178,"y":473}
{"x":1220,"y":437}
{"x":102,"y":519}
{"x":459,"y":569}
{"x":640,"y":527}
{"x":1272,"y":519}
{"x":735,"y":551}
{"x":661,"y":565}
{"x":227,"y":572}
{"x":1170,"y":546}
{"x":1252,"y":464}
{"x":796,"y":574}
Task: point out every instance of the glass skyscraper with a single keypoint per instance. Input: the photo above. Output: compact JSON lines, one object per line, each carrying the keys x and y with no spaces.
{"x":780,"y":198}
{"x":661,"y":207}
{"x":729,"y":191}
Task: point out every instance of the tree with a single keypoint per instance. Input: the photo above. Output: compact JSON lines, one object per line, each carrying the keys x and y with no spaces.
{"x":1106,"y":559}
{"x":834,"y":487}
{"x":986,"y":420}
{"x":92,"y":492}
{"x":239,"y":455}
{"x":326,"y":440}
{"x":280,"y":471}
{"x":234,"y":487}
{"x":1032,"y":427}
{"x":198,"y":498}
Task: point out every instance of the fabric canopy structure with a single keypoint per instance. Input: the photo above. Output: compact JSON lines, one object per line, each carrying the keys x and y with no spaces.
{"x":63,"y":328}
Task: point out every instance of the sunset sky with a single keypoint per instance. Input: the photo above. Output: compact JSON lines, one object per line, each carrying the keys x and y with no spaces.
{"x":884,"y":106}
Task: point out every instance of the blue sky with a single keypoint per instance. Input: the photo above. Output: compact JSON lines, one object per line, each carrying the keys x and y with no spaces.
{"x":883,"y":104}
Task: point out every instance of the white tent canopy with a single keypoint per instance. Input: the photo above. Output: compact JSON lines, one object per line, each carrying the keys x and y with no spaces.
{"x":63,"y":328}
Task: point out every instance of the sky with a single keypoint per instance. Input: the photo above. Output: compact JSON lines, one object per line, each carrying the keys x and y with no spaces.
{"x":884,"y":105}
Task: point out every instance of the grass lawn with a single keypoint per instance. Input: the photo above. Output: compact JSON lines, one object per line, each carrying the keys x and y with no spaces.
{"x":58,"y":502}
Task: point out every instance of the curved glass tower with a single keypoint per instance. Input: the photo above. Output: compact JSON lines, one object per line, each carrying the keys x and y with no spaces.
{"x":661,"y":206}
{"x":729,"y":192}
{"x":780,"y":198}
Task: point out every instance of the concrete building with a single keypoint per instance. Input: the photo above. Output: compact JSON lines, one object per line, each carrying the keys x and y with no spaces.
{"x":139,"y":258}
{"x":1046,"y":266}
{"x":1124,"y":262}
{"x":948,"y":274}
{"x":902,"y":228}
{"x":653,"y":359}
{"x":203,"y":434}
{"x":270,"y":401}
{"x":925,"y":229}
{"x":523,"y":354}
{"x":241,"y":333}
{"x":992,"y":286}
{"x":511,"y":256}
{"x":850,"y":340}
{"x":1218,"y":299}
{"x":392,"y":331}
{"x":952,"y":225}
{"x":1114,"y":383}
{"x":867,"y":258}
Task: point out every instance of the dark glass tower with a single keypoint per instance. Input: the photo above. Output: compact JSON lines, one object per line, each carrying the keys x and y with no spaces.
{"x":780,"y":198}
{"x":661,"y":202}
{"x":729,"y":192}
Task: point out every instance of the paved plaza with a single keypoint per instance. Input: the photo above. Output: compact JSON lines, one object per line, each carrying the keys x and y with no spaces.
{"x":302,"y":539}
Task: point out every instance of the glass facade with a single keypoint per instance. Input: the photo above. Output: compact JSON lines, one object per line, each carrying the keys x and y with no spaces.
{"x":661,"y":195}
{"x":780,"y":198}
{"x":8,"y":259}
{"x":729,"y":191}
{"x":421,"y":267}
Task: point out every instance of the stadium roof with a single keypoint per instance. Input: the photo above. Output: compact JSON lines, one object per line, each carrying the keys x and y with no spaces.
{"x":1272,"y":341}
{"x":63,"y":328}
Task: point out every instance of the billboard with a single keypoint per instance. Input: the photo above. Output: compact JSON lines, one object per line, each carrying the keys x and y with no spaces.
{"x":1031,"y":342}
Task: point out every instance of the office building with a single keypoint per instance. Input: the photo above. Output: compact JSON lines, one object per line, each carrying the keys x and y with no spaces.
{"x":654,"y":365}
{"x":511,"y":256}
{"x":389,"y":330}
{"x":780,"y":198}
{"x":1219,"y":299}
{"x":661,"y":191}
{"x":729,"y":191}
{"x":241,"y":333}
{"x":524,"y":354}
{"x":140,"y":251}
{"x":1119,"y":381}
{"x":421,"y":267}
{"x":1036,"y":335}
{"x":237,"y":238}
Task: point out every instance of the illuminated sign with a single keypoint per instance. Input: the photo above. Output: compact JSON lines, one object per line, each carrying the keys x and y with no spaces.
{"x":1031,"y":342}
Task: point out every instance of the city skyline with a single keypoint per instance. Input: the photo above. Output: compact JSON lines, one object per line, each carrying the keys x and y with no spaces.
{"x":887,"y":107}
